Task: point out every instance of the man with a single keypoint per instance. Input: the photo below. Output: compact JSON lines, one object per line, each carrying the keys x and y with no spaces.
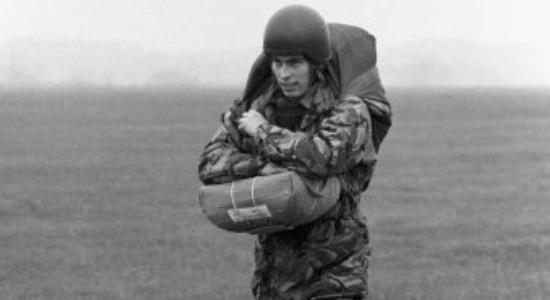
{"x":310,"y":116}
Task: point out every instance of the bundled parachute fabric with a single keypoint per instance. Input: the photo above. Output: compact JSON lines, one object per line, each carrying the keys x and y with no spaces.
{"x":266,"y":204}
{"x":351,"y":70}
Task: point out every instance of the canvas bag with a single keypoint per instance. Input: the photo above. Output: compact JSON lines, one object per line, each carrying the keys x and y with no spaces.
{"x":265,"y":204}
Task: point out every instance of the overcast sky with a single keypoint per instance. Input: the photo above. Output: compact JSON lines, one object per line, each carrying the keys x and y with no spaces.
{"x":175,"y":26}
{"x":197,"y":25}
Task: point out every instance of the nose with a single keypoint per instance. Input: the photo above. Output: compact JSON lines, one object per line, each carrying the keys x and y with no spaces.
{"x":284,"y":72}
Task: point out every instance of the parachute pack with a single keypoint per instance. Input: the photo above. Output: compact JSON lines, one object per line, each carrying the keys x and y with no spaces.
{"x":265,"y":204}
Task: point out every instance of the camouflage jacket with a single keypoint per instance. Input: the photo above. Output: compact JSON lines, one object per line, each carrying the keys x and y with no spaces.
{"x":329,"y":255}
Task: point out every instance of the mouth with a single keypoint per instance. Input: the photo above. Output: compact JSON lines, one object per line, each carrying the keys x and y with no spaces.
{"x":287,"y":86}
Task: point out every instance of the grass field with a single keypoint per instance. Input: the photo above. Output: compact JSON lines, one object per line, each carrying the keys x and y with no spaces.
{"x":98,"y":197}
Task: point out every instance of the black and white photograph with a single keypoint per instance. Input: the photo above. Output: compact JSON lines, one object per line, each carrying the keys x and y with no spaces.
{"x":274,"y":150}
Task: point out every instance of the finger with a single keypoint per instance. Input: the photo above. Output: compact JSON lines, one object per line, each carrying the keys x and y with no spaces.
{"x":227,"y":118}
{"x":254,"y":113}
{"x":242,"y":122}
{"x":258,"y":116}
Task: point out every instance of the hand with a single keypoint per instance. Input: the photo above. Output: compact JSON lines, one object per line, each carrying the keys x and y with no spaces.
{"x":250,"y":121}
{"x":226,"y":118}
{"x":231,"y":129}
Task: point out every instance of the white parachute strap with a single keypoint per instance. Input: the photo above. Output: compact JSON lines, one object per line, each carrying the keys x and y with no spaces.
{"x":252,"y":191}
{"x":233,"y":196}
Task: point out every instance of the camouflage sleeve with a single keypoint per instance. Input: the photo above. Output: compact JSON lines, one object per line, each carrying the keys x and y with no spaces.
{"x":222,"y":161}
{"x":343,"y":140}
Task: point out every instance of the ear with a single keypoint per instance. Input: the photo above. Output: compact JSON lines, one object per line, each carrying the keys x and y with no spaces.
{"x":316,"y":73}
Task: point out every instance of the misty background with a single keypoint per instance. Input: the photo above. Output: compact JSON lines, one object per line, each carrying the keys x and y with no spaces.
{"x":213,"y":43}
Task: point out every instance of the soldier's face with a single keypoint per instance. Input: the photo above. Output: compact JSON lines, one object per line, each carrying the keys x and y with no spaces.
{"x":293,"y":74}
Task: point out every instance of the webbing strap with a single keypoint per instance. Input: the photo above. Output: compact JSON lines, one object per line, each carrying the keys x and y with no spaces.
{"x":232,"y":194}
{"x":252,"y":192}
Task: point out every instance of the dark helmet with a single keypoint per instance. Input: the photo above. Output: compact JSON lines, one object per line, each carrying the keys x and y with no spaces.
{"x":297,"y":30}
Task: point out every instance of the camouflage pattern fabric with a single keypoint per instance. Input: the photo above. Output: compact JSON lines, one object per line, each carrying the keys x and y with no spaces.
{"x":331,"y":254}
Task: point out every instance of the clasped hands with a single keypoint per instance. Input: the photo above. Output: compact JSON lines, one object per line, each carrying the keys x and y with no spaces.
{"x":250,"y":121}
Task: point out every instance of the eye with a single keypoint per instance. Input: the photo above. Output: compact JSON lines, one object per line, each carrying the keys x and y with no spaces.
{"x":277,"y":63}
